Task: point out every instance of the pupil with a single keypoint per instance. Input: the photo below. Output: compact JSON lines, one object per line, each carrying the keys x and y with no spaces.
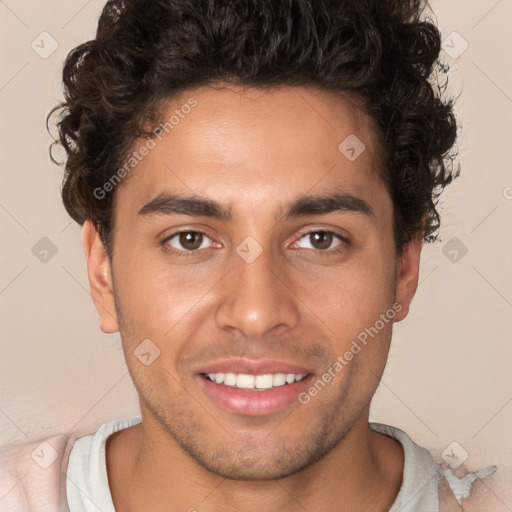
{"x":191,"y":240}
{"x":321,"y":239}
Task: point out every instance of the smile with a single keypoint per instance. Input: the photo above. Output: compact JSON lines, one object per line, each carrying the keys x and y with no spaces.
{"x":254,"y":395}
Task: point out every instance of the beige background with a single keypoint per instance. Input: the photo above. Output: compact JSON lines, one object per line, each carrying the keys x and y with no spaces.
{"x":449,"y":375}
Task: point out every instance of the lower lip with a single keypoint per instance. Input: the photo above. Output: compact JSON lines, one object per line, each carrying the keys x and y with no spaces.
{"x":257,"y":402}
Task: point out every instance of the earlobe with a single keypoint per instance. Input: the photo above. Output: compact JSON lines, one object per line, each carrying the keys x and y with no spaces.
{"x":407,"y":275}
{"x":100,"y":278}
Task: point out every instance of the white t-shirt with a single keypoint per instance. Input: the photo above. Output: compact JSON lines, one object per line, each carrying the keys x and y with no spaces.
{"x":66,"y":474}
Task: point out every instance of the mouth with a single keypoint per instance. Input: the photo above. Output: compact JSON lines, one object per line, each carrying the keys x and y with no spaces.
{"x":256,"y":389}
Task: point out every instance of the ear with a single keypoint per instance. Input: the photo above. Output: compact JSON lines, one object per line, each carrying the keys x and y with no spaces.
{"x":408,"y":266}
{"x":100,"y":278}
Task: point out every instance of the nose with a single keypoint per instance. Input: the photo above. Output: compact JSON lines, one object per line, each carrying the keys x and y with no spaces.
{"x":256,"y":298}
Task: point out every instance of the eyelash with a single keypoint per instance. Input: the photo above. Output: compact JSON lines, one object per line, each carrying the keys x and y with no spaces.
{"x":327,"y":252}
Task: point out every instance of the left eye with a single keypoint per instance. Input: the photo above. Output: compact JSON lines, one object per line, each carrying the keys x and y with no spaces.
{"x":188,"y":241}
{"x":321,"y":240}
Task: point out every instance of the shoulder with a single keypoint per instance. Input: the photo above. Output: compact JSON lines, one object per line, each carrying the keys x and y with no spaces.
{"x":489,"y":488}
{"x":460,"y":489}
{"x":32,"y":475}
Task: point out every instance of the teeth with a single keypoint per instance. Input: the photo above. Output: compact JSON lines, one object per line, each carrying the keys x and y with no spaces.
{"x":263,"y":381}
{"x":245,"y":381}
{"x":230,"y":379}
{"x":279,"y":379}
{"x":290,"y":377}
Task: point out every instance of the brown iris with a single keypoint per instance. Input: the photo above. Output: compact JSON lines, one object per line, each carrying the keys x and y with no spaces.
{"x":321,"y":239}
{"x":191,"y":240}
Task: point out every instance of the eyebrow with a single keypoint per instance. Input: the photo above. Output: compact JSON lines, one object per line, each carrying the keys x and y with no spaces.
{"x":169,"y":204}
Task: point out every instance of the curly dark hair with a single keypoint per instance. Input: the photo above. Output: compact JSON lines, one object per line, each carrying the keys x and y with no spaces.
{"x":145,"y":52}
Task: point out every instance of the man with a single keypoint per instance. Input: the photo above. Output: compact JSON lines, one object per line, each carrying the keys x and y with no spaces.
{"x":255,"y":180}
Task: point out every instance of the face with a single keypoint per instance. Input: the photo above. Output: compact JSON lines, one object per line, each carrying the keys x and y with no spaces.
{"x":253,"y":256}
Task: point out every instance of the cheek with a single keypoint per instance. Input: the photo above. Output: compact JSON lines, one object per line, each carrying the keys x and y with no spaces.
{"x":156,"y":300}
{"x":354,"y":295}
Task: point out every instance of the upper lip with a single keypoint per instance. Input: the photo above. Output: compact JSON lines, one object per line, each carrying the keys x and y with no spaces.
{"x":252,"y":367}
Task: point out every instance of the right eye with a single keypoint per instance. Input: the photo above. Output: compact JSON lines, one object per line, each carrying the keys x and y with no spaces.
{"x":187,"y":241}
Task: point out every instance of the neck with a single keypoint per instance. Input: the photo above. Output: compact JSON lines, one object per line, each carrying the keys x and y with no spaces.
{"x":148,"y":470}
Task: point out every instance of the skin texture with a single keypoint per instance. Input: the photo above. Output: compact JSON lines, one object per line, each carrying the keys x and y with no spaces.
{"x":254,"y":151}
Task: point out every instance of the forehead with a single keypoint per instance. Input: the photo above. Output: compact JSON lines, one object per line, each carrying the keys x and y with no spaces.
{"x":244,"y":146}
